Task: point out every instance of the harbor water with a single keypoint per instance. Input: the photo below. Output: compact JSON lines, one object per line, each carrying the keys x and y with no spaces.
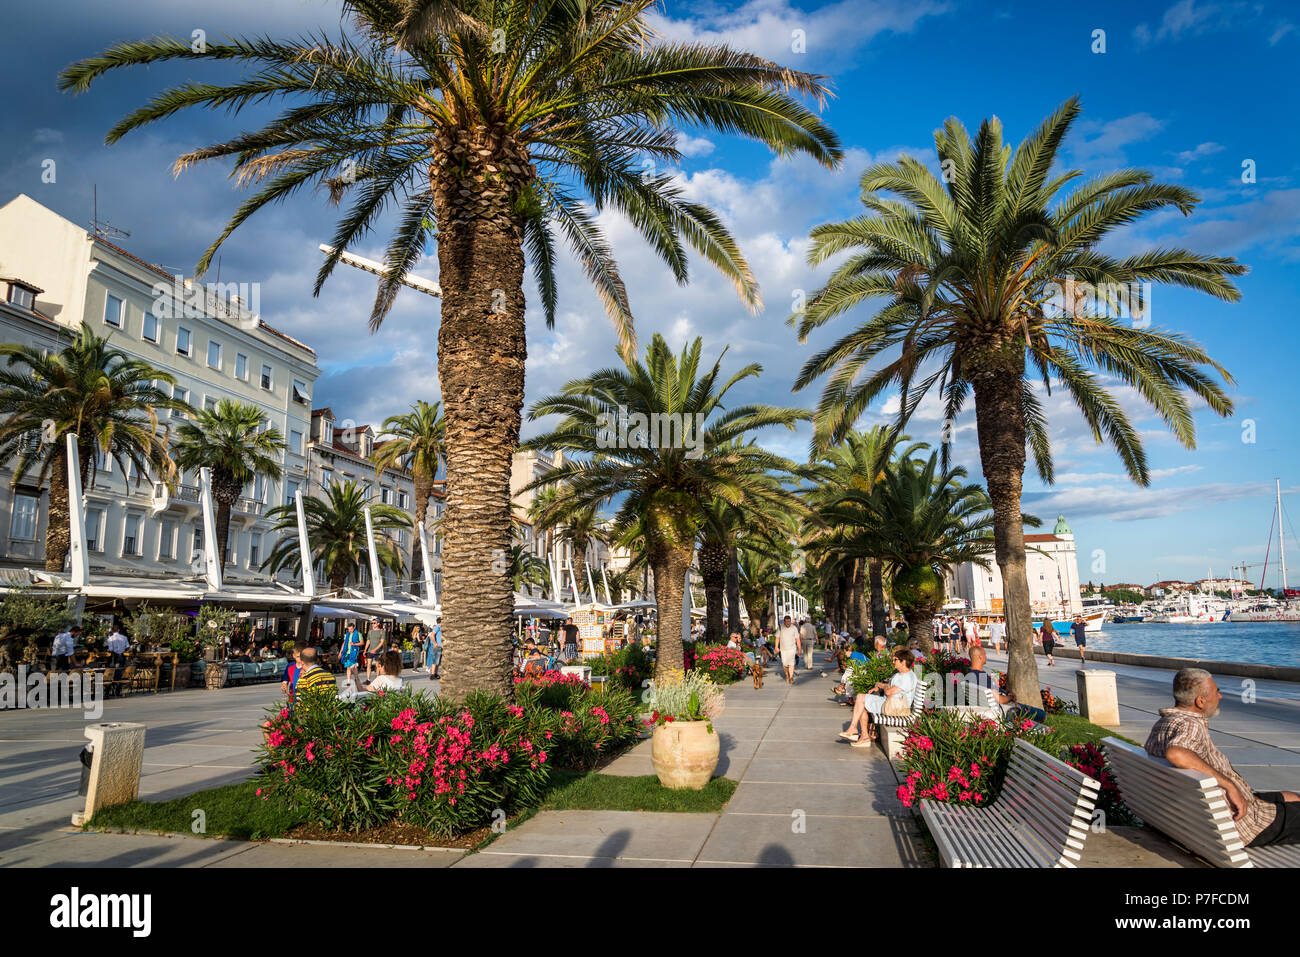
{"x":1263,"y":643}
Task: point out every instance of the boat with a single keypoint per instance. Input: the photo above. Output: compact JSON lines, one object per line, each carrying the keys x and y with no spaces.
{"x":1093,"y":621}
{"x":1191,"y":610}
{"x":1268,"y":609}
{"x":1119,"y":619}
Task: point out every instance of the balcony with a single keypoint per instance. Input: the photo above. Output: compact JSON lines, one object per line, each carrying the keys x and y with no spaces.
{"x":249,"y":506}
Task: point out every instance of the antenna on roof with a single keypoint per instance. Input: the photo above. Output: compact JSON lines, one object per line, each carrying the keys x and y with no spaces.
{"x":103,"y":229}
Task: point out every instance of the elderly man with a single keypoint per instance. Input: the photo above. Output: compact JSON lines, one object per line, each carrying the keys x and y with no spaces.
{"x":1006,"y":703}
{"x":1182,"y":737}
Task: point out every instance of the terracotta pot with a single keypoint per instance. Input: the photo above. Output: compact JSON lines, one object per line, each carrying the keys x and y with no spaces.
{"x":684,"y":754}
{"x":215,"y":675}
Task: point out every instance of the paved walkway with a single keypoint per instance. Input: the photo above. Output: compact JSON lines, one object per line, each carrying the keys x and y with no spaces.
{"x":804,"y":798}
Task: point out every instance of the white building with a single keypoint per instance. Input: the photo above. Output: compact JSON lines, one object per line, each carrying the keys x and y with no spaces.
{"x":58,"y":275}
{"x":344,"y":452}
{"x":1051,"y":566}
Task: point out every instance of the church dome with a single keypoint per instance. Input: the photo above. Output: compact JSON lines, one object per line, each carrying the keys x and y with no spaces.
{"x":1061,"y":527}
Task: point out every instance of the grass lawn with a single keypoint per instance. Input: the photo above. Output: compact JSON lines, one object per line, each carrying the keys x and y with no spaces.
{"x":236,"y":811}
{"x":1076,"y":730}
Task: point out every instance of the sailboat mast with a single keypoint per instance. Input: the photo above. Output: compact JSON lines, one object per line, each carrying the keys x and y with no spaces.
{"x":1281,"y":537}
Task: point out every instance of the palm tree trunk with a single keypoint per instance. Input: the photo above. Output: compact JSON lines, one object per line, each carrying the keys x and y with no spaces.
{"x":879,"y":623}
{"x":481,"y":353}
{"x":833,"y":601}
{"x":424,"y":506}
{"x":857,"y":615}
{"x":842,"y":605}
{"x":579,"y":566}
{"x":920,"y":625}
{"x":999,"y":416}
{"x":670,"y":564}
{"x":225,"y":492}
{"x":733,"y":590}
{"x":713,"y":569}
{"x":58,"y":538}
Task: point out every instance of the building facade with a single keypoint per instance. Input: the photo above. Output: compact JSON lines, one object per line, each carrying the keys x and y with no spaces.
{"x":1051,"y":565}
{"x":210,"y":338}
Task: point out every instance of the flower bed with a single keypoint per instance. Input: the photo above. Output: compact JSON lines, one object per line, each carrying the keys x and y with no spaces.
{"x":627,"y":668}
{"x":447,"y":767}
{"x":722,"y":664}
{"x":1051,"y":703}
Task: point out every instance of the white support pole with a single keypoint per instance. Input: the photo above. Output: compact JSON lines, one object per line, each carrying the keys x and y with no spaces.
{"x":377,"y":580}
{"x":304,"y":549}
{"x":573,"y":581}
{"x":605,"y":581}
{"x":557,"y":585}
{"x":211,"y":560}
{"x":430,"y":592}
{"x":590,"y":587}
{"x":76,"y":517}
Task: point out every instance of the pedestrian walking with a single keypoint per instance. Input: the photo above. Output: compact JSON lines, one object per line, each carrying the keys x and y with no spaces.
{"x":350,"y":657}
{"x":808,"y":638}
{"x":433,"y":653}
{"x":788,"y":647}
{"x":1048,"y":635}
{"x":1080,"y":631}
{"x":375,"y":644}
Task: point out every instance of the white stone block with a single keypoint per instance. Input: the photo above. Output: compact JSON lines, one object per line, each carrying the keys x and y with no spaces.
{"x":115,"y":769}
{"x":1098,"y":699}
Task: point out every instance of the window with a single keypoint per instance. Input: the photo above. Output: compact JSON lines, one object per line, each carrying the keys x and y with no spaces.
{"x":150,"y":330}
{"x":254,"y":549}
{"x":300,"y":392}
{"x":131,"y":535}
{"x":103,"y":461}
{"x":385,"y":495}
{"x":214,"y":355}
{"x":26,"y":509}
{"x":21,"y":296}
{"x":327,"y":432}
{"x":266,"y":377}
{"x":295,"y":442}
{"x":198,"y":542}
{"x":183,"y":341}
{"x":290,"y":492}
{"x":167,"y":541}
{"x":326,"y":478}
{"x":210,"y":403}
{"x":94,"y":522}
{"x":259,"y":488}
{"x":113,"y":311}
{"x":180,"y":395}
{"x":403,"y":501}
{"x":241,"y":366}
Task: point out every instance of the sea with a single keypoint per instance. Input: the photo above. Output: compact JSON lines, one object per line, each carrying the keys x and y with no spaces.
{"x":1253,"y":642}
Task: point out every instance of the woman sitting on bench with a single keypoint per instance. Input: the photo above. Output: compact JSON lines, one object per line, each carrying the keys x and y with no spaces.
{"x":861,"y":730}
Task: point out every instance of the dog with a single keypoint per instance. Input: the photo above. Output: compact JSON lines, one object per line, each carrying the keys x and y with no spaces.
{"x":758,"y":674}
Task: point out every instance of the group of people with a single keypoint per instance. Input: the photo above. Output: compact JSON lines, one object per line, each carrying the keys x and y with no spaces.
{"x":353,"y":650}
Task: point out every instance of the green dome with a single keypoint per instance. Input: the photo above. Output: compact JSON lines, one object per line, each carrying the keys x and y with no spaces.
{"x":1061,"y":527}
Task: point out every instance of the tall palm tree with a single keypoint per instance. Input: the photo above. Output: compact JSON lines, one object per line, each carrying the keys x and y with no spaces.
{"x":231,"y":441}
{"x":921,"y":520}
{"x":663,"y":483}
{"x":108,"y":399}
{"x":583,"y":528}
{"x":493,"y":125}
{"x":336,"y":529}
{"x":525,"y":568}
{"x":415,"y":440}
{"x":974,"y":280}
{"x":759,"y":574}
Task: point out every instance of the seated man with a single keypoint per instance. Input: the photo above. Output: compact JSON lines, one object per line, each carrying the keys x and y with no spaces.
{"x":1182,"y":737}
{"x":1007,"y":703}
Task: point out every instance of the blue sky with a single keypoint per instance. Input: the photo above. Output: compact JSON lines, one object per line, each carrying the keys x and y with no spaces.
{"x":1189,"y":90}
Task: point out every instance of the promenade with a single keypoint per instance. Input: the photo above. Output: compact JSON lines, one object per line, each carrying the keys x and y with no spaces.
{"x":803,"y":797}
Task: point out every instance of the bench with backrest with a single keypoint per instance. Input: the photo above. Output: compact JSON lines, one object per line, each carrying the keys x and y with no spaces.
{"x":1189,"y":808}
{"x":893,"y":729}
{"x":1040,"y":818}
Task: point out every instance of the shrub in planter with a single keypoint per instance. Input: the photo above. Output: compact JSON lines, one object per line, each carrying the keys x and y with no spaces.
{"x":551,"y":689}
{"x":722,"y":664}
{"x":951,"y":759}
{"x":945,"y":663}
{"x":588,"y":728}
{"x":1051,"y":703}
{"x":436,"y":764}
{"x":864,"y":675}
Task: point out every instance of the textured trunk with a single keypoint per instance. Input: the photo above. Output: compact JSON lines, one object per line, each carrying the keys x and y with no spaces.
{"x":920,"y":625}
{"x":833,"y":602}
{"x":858,"y":613}
{"x":481,"y":353}
{"x":225,"y":492}
{"x":424,"y":513}
{"x":879,"y":623}
{"x":733,"y":591}
{"x":842,"y":608}
{"x":670,"y":562}
{"x":58,"y":536}
{"x":713,"y":569}
{"x":580,"y":567}
{"x":999,"y":417}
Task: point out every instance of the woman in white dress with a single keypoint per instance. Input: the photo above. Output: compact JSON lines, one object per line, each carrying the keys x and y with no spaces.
{"x":870,"y":705}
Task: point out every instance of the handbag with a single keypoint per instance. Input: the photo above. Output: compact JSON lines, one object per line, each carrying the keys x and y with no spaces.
{"x":897,"y":706}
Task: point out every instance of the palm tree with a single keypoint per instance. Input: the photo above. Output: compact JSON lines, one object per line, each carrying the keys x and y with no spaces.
{"x":921,"y":520}
{"x":759,"y":574}
{"x":415,"y":441}
{"x":493,"y":126}
{"x":663,"y":483}
{"x":108,"y":399}
{"x":525,"y":568}
{"x":231,"y":441}
{"x":582,"y":527}
{"x":975,"y":280}
{"x":336,"y":529}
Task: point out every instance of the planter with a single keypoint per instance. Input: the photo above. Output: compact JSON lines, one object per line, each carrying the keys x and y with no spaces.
{"x":214,"y":675}
{"x":182,"y":675}
{"x":582,"y":671}
{"x":684,"y":754}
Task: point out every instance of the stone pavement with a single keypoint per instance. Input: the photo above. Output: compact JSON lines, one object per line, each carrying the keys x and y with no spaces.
{"x":804,"y":798}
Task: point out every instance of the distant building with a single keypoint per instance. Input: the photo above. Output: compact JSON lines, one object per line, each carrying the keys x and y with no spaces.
{"x":1170,"y":586}
{"x":1051,"y":566}
{"x":58,"y":275}
{"x":1208,"y":586}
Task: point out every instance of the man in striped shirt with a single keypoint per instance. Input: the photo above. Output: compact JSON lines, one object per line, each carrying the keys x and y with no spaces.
{"x":1182,"y":737}
{"x":311,"y":677}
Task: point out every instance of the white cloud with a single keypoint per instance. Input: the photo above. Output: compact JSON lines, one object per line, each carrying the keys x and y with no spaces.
{"x":1124,"y":504}
{"x":1201,"y":151}
{"x":692,"y":146}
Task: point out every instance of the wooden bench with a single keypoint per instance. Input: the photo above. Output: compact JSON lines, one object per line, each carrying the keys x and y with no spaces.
{"x":1188,"y":808}
{"x":892,"y":729}
{"x":1040,"y":819}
